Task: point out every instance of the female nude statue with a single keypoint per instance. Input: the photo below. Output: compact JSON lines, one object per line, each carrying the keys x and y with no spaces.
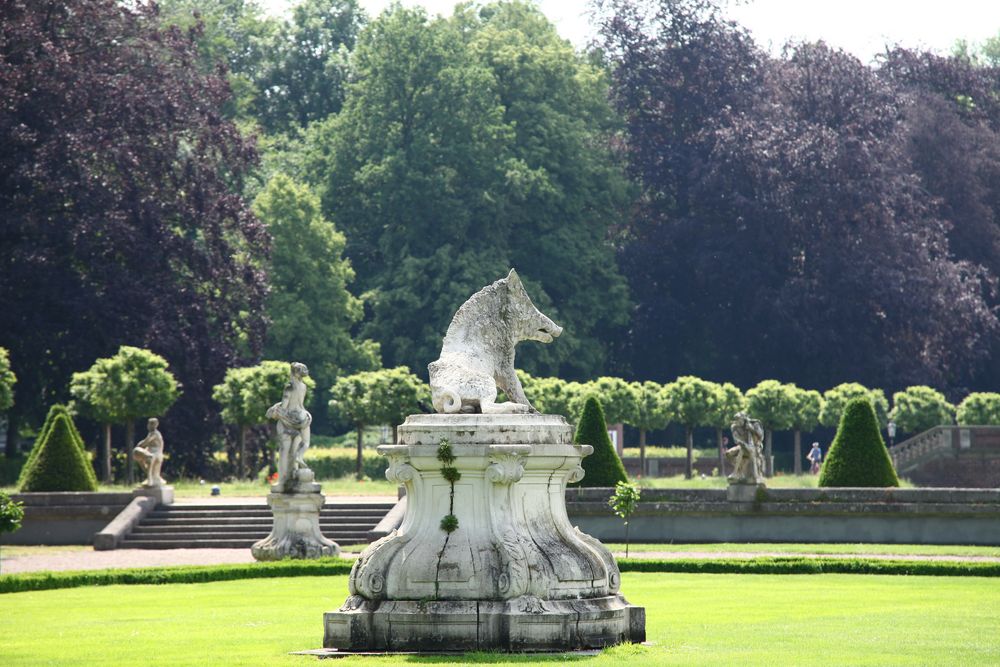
{"x":293,"y":428}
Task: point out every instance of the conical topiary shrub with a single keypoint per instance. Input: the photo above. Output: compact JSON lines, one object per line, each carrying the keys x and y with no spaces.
{"x":50,"y":418}
{"x":58,"y":461}
{"x":603,"y":467}
{"x":858,"y":456}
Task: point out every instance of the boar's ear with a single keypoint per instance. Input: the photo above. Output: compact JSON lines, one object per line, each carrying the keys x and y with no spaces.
{"x":512,"y":279}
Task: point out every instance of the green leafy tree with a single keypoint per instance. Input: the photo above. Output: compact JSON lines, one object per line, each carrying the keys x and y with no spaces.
{"x":808,"y":403}
{"x":690,"y":401}
{"x":836,"y":399}
{"x":979,"y":409}
{"x":773,"y":404}
{"x":623,"y":503}
{"x":858,"y":456}
{"x":245,"y":394}
{"x":603,"y":467}
{"x":120,"y":389}
{"x":60,"y":462}
{"x":728,"y":401}
{"x":555,"y":396}
{"x":308,"y":64}
{"x":7,"y":382}
{"x":11,"y":514}
{"x":650,"y":414}
{"x":450,"y":163}
{"x":384,"y":396}
{"x":311,"y":310}
{"x":617,"y":397}
{"x":50,"y":419}
{"x":919,"y":408}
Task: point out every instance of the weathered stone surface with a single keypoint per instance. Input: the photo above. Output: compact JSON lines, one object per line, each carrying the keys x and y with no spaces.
{"x":148,"y":452}
{"x":747,"y":457}
{"x":514,"y":575}
{"x":477,"y":355}
{"x":295,"y":532}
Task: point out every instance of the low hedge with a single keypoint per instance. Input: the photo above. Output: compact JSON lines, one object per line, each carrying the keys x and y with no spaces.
{"x":334,"y":464}
{"x":198,"y":574}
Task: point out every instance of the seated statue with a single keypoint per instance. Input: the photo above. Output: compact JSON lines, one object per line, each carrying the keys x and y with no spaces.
{"x":149,"y":454}
{"x":747,"y":457}
{"x":293,"y":430}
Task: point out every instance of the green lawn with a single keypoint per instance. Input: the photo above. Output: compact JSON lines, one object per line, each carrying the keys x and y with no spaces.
{"x":859,"y":549}
{"x":691,"y":619}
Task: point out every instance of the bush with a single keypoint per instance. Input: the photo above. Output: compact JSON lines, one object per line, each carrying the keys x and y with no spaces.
{"x":58,"y":461}
{"x":920,"y":408}
{"x":858,"y":456}
{"x":979,"y":409}
{"x":340,"y":463}
{"x":603,"y":467}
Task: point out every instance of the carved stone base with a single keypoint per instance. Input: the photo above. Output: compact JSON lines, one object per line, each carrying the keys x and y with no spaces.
{"x":521,"y":624}
{"x":296,"y":532}
{"x":743,"y":493}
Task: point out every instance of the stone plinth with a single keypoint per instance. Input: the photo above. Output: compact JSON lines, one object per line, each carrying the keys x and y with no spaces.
{"x":514,"y":575}
{"x":163,"y":494}
{"x":743,"y":493}
{"x":295,"y":532}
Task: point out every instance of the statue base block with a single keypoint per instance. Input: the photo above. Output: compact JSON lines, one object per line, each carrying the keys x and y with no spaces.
{"x":164,"y":495}
{"x":295,"y":532}
{"x":743,"y":493}
{"x":521,"y":624}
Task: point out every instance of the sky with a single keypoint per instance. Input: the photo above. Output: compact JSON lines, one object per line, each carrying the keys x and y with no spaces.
{"x":862,"y":27}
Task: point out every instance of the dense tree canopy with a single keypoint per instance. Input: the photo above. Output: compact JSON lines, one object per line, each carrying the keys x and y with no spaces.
{"x":467,"y":146}
{"x":117,"y":178}
{"x":919,"y":408}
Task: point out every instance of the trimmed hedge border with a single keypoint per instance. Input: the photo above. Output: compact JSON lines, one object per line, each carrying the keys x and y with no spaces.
{"x":199,"y":574}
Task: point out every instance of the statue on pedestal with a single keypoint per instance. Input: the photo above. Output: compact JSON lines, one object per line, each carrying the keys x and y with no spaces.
{"x":747,"y":457}
{"x":148,"y":452}
{"x":293,"y":430}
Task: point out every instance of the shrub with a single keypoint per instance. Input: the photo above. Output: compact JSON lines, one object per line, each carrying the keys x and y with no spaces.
{"x":858,"y":456}
{"x":603,"y":467}
{"x":979,"y":409}
{"x":334,"y":464}
{"x":920,"y":408}
{"x":58,"y":461}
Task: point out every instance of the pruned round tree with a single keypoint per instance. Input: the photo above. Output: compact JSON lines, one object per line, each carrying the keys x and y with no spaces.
{"x":979,"y":409}
{"x":919,"y":408}
{"x":59,"y":462}
{"x":728,"y":401}
{"x":245,"y":394}
{"x":690,"y":401}
{"x":603,"y":467}
{"x":132,"y":384}
{"x":808,"y":403}
{"x":836,"y":399}
{"x":858,"y":456}
{"x":774,"y":405}
{"x":650,"y":414}
{"x":7,"y":381}
{"x":384,"y":396}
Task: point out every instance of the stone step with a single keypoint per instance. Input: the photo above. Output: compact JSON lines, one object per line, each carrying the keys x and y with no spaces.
{"x":154,"y":519}
{"x":214,"y":543}
{"x":144,"y":529}
{"x":251,"y":535}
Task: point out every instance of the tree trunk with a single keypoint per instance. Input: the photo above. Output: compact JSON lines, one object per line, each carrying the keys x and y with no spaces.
{"x":642,"y":452}
{"x":358,"y":473}
{"x":798,"y":453}
{"x":689,"y":464}
{"x":722,"y":452}
{"x":106,"y":473}
{"x":626,"y":539}
{"x":768,"y":464}
{"x":129,"y":444}
{"x":241,"y":444}
{"x":395,"y":432}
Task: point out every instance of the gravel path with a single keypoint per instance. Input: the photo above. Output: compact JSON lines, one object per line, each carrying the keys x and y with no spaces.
{"x":55,"y":559}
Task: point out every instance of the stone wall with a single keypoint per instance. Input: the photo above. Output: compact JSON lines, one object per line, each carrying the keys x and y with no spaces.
{"x":890,"y":516}
{"x":67,"y":517}
{"x":662,"y":466}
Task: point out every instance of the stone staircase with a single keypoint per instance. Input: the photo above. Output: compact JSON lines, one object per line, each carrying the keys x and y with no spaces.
{"x":933,"y":444}
{"x":238,"y":526}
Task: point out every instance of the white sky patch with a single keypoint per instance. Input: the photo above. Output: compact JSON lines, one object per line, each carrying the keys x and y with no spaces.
{"x":862,"y":27}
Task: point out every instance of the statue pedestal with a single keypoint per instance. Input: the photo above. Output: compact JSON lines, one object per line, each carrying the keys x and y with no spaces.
{"x":164,"y":495}
{"x":742,"y":492}
{"x":295,"y":532}
{"x":513,"y":576}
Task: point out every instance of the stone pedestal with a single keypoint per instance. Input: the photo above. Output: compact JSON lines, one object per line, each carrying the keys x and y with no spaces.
{"x":514,"y":575}
{"x":743,"y":493}
{"x":296,"y":532}
{"x":164,"y":495}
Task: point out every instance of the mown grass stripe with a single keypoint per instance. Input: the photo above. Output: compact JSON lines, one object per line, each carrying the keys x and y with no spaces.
{"x":196,"y":574}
